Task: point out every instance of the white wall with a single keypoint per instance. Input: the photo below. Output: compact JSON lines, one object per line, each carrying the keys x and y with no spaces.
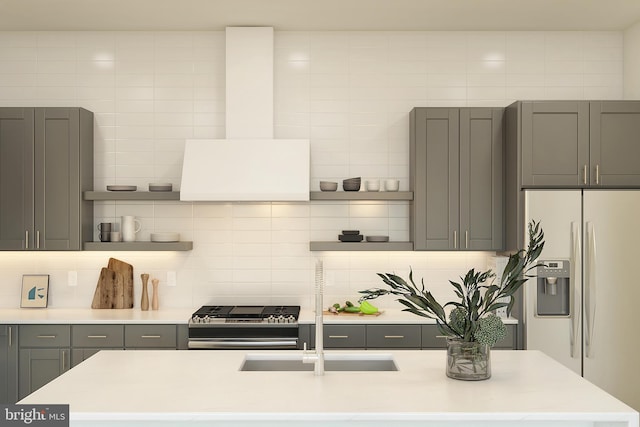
{"x":350,"y":93}
{"x":632,"y":62}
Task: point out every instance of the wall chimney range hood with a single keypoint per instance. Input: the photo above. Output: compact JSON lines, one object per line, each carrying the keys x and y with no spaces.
{"x":249,"y":165}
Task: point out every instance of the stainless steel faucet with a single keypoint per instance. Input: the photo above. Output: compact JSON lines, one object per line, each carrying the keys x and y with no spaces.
{"x":317,"y":356}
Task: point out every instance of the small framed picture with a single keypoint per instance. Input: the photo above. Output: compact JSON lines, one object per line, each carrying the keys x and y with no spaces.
{"x":35,"y":290}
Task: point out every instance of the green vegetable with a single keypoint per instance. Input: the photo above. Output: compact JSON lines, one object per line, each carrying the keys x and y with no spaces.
{"x":349,"y":304}
{"x":352,"y":309}
{"x":336,"y":305}
{"x":367,"y":308}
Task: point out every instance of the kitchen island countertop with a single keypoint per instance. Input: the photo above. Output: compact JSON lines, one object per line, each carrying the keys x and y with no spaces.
{"x":204,"y":387}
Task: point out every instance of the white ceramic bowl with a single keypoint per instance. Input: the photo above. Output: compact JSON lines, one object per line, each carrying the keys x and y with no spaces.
{"x":165,"y":237}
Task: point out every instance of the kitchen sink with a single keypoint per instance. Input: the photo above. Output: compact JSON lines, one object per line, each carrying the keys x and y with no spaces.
{"x":332,"y":362}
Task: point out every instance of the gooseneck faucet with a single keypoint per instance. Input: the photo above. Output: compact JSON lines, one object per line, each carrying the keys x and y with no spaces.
{"x":317,"y":356}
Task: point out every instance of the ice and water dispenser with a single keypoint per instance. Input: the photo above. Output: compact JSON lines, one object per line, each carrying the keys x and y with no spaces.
{"x":553,"y":293}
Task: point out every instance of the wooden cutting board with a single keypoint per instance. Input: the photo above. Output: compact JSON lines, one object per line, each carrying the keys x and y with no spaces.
{"x":126,"y":270}
{"x":110,"y":290}
{"x":346,"y":314}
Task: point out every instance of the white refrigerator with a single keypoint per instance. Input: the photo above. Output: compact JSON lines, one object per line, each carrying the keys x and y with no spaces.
{"x":598,"y":232}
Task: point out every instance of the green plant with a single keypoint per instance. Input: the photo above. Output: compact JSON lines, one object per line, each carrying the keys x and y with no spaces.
{"x":472,"y":318}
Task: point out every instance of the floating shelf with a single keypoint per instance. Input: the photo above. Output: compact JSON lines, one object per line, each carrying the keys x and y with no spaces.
{"x":131,"y":195}
{"x":138,"y":246}
{"x":361,"y":246}
{"x":361,"y":195}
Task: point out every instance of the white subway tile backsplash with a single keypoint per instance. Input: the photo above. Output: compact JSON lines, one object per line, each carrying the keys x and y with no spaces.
{"x":350,"y":93}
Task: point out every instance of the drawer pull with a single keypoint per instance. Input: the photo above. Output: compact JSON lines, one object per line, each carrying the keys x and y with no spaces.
{"x":97,"y":336}
{"x":152,"y":336}
{"x":394,"y":336}
{"x":339,"y":336}
{"x":47,"y":336}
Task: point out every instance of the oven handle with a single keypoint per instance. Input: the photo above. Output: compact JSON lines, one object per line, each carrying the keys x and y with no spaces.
{"x":229,"y":344}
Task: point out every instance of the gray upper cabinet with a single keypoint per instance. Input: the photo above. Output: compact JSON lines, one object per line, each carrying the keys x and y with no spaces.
{"x":456,"y":177}
{"x":579,"y":144}
{"x":614,"y":143}
{"x":555,"y":143}
{"x":46,"y":164}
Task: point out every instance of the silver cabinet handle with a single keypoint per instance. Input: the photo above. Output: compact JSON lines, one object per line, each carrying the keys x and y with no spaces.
{"x":394,"y":337}
{"x":10,"y":338}
{"x":38,"y":239}
{"x":590,"y":289}
{"x":64,"y":359}
{"x":339,"y":336}
{"x":466,"y":239}
{"x":26,"y":239}
{"x":576,"y":300}
{"x":597,"y":174}
{"x":151,"y":336}
{"x":47,"y":336}
{"x":97,"y":336}
{"x":584,"y":174}
{"x":455,"y":239}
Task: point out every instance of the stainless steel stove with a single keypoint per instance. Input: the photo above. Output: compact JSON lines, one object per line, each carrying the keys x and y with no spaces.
{"x":243,"y":327}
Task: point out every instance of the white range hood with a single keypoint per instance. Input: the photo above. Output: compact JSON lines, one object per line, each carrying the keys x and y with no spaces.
{"x":249,"y":165}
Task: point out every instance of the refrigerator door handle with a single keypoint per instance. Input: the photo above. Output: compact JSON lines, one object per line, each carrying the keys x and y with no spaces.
{"x":590,"y":289}
{"x":576,"y":300}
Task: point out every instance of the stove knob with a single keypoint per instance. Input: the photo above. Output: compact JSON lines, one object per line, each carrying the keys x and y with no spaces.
{"x":195,"y":319}
{"x":271,"y":319}
{"x":291,"y":319}
{"x":281,"y":319}
{"x":206,"y":319}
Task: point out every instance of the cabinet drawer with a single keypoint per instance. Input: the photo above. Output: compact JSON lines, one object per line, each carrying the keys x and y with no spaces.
{"x":150,"y":336}
{"x":45,"y":336}
{"x":97,"y":336}
{"x":393,"y":336}
{"x":431,"y":338}
{"x":344,"y":336}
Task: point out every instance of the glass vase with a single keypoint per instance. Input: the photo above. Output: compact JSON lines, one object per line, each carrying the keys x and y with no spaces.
{"x":469,"y":361}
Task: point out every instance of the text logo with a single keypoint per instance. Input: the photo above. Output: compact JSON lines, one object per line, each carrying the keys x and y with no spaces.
{"x":34,"y":415}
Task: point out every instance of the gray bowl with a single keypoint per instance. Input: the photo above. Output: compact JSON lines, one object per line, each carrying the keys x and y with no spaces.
{"x":328,"y":186}
{"x":351,"y":186}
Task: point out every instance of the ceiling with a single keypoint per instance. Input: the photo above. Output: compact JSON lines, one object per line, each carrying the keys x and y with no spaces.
{"x":376,"y":15}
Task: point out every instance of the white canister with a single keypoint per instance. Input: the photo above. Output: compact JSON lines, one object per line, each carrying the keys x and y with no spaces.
{"x":129,"y":227}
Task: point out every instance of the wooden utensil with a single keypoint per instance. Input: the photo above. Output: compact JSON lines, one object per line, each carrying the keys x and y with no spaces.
{"x":126,"y":270}
{"x":109,"y":290}
{"x":154,"y":298}
{"x":144,"y":303}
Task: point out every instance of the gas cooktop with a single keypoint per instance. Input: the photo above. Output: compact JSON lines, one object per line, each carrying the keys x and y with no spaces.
{"x":246,"y":313}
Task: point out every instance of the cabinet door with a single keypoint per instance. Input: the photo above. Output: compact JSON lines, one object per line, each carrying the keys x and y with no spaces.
{"x":481,"y":195}
{"x":555,"y":144}
{"x":433,"y":339}
{"x":393,"y":336}
{"x":615,"y":143}
{"x":341,"y":336}
{"x":8,"y":365}
{"x":57,"y":179}
{"x":150,"y":336}
{"x":16,"y":178}
{"x":38,"y":366}
{"x":435,"y":180}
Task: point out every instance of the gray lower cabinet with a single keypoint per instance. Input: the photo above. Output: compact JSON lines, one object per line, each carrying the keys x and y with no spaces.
{"x":456,"y":164}
{"x":45,"y":353}
{"x":576,"y":144}
{"x":150,"y":337}
{"x":394,"y":336}
{"x":87,"y":340}
{"x":8,"y":364}
{"x":433,"y":339}
{"x":46,"y":162}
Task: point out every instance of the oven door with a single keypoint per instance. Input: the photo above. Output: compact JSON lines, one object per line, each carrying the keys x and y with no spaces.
{"x":238,"y":336}
{"x":243,"y":343}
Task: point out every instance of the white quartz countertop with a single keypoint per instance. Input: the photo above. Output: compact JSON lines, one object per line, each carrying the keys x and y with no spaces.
{"x":91,"y":316}
{"x":199,"y":387}
{"x":182,"y":315}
